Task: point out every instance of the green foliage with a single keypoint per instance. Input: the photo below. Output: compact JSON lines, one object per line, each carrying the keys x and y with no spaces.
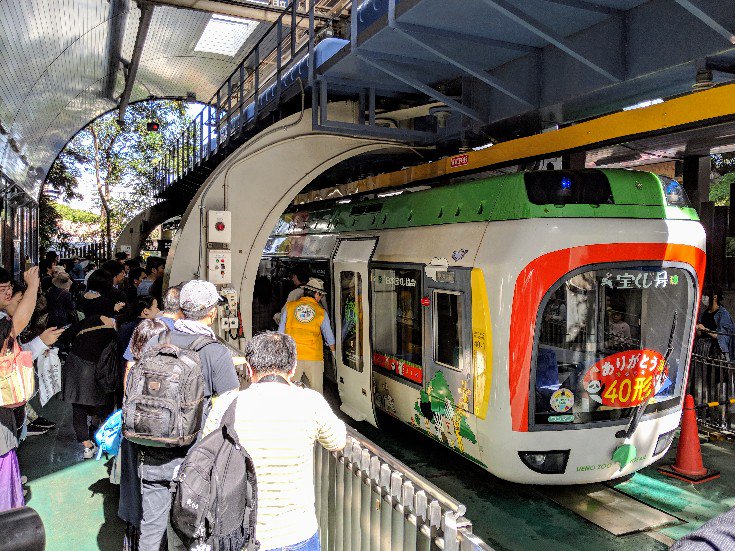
{"x":122,"y":158}
{"x":75,"y":215}
{"x":719,"y":190}
{"x":724,"y":163}
{"x":61,"y":182}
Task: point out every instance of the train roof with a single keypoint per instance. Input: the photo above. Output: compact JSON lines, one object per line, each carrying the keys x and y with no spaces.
{"x":589,"y":193}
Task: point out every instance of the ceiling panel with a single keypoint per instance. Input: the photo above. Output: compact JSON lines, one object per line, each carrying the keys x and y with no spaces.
{"x":56,"y":67}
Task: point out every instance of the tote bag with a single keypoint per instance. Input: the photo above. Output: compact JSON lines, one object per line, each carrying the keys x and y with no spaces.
{"x":17,"y":382}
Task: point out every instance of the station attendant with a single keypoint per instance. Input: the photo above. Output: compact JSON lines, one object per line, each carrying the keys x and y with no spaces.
{"x":308,"y":323}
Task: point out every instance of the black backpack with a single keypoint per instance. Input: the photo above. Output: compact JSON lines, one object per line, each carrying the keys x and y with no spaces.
{"x":164,"y":395}
{"x":215,"y":492}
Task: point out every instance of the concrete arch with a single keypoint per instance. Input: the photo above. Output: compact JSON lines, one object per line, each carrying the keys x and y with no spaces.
{"x":257,"y":183}
{"x":137,"y":230}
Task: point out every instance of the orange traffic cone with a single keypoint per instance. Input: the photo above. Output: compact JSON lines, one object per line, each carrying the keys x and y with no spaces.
{"x":688,"y":465}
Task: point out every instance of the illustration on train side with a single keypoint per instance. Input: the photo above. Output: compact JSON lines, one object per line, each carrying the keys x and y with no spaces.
{"x":538,"y":324}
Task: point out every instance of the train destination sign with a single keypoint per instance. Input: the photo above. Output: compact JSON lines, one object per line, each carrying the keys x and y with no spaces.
{"x":639,"y":279}
{"x":625,"y":379}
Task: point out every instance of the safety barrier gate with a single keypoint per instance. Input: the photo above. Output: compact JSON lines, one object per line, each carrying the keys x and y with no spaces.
{"x":712,"y":383}
{"x":367,"y":500}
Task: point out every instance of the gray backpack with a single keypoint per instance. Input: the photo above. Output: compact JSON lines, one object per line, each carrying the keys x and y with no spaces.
{"x":164,"y":395}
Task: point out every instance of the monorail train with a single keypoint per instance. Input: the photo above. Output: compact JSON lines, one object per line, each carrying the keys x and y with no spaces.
{"x":538,"y":324}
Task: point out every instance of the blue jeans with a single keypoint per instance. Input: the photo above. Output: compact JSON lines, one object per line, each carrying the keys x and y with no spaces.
{"x":312,"y":544}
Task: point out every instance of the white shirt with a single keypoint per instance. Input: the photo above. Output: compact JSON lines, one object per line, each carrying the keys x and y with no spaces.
{"x":278,"y":425}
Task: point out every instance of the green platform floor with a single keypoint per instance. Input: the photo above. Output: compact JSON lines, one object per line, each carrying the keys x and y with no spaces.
{"x":78,"y":504}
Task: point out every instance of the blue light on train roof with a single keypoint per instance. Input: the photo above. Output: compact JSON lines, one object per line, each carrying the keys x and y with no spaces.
{"x":566,"y":182}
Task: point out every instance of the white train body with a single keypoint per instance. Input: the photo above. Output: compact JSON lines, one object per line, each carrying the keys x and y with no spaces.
{"x":520,"y":323}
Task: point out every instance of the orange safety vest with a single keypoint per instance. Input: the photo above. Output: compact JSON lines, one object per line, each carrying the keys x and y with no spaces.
{"x":304,"y":319}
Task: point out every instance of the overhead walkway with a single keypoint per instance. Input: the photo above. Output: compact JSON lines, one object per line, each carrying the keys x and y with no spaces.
{"x":425,"y":72}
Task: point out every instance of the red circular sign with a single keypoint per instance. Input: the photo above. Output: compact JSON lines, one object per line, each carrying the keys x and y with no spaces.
{"x":625,"y":379}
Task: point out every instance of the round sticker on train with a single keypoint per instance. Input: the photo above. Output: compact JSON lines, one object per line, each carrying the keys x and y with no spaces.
{"x":562,"y":400}
{"x":304,"y":313}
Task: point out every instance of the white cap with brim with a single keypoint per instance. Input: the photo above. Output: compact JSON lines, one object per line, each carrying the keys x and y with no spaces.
{"x":315,"y":284}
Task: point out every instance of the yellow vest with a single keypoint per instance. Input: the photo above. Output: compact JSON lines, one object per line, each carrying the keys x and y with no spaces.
{"x":304,"y":319}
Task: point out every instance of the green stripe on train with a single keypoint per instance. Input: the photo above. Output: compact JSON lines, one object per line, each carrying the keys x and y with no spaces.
{"x":636,"y":195}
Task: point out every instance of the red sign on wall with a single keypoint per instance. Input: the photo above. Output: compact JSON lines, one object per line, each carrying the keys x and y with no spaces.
{"x":459,"y":160}
{"x":626,"y":379}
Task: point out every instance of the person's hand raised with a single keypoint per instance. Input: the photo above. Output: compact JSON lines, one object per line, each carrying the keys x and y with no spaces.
{"x":31,"y":277}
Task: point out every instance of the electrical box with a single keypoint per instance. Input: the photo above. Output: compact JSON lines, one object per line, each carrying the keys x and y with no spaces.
{"x":219,"y":267}
{"x":219,"y":226}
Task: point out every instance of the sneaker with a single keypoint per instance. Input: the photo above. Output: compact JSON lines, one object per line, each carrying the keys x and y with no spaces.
{"x":44,"y":423}
{"x":89,"y":453}
{"x":24,"y":479}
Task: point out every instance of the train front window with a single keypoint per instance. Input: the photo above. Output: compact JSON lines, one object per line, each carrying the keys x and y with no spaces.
{"x":397,"y":322}
{"x":602,"y":338}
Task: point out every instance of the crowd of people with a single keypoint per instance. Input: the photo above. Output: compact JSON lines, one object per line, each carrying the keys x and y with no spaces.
{"x":117,"y":319}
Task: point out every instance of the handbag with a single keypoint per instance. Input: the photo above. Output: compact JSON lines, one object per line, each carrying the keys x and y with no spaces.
{"x":106,"y":369}
{"x":17,"y":381}
{"x":48,"y":367}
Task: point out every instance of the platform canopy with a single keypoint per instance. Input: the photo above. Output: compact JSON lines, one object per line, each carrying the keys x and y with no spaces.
{"x":65,"y":62}
{"x":511,"y":67}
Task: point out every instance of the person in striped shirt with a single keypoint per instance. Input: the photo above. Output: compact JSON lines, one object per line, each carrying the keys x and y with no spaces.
{"x":278,"y":424}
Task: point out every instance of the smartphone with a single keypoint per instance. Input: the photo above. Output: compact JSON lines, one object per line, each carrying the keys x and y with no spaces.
{"x":67,"y":326}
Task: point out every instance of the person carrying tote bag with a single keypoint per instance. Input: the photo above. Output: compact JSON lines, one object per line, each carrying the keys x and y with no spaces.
{"x":16,"y":387}
{"x":91,"y":401}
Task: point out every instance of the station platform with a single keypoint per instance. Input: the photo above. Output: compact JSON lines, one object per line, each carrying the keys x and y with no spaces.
{"x":78,"y":504}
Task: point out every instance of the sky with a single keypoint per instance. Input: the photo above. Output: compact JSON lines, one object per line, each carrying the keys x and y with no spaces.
{"x":88,"y":186}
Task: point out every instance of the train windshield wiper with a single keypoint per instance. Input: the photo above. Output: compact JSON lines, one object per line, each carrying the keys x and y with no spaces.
{"x":640,"y":409}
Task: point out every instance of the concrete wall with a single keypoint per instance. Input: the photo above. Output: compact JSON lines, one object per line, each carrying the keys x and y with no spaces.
{"x":139,"y":228}
{"x":257,"y":183}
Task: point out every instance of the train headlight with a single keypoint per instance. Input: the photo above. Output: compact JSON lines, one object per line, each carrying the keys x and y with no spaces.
{"x":663,"y":442}
{"x":548,"y":462}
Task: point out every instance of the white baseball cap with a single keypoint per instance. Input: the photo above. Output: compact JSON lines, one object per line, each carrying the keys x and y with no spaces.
{"x":199,"y":295}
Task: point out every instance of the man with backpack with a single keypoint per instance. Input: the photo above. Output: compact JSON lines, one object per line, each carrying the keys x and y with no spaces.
{"x":167,"y":399}
{"x":278,"y":423}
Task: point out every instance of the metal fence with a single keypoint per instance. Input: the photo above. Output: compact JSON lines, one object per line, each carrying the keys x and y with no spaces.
{"x":712,"y":383}
{"x":254,"y":88}
{"x":96,"y":252}
{"x":367,"y":500}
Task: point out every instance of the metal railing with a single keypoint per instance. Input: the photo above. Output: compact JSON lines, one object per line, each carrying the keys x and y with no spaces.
{"x":367,"y":500}
{"x":240,"y":100}
{"x":712,"y":383}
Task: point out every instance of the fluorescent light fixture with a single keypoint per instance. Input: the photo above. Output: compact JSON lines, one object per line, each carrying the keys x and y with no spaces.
{"x":225,"y":35}
{"x":390,"y":193}
{"x":344,"y":201}
{"x":646,"y":103}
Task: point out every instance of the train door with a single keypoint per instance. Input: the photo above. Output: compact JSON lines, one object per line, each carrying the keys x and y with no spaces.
{"x":448,"y":339}
{"x":352,"y":312}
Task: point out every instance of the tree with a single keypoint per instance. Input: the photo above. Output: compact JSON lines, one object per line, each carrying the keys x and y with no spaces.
{"x":124,"y":156}
{"x":723,"y":163}
{"x":60,"y":183}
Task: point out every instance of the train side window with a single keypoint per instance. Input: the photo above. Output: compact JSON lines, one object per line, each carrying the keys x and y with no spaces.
{"x":448,"y":329}
{"x":351,"y":312}
{"x":397,"y":322}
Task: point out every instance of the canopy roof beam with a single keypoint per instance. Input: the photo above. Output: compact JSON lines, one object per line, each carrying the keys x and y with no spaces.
{"x":420,"y":86}
{"x":541,"y":30}
{"x":464,"y":65}
{"x":146,"y":14}
{"x":705,"y":18}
